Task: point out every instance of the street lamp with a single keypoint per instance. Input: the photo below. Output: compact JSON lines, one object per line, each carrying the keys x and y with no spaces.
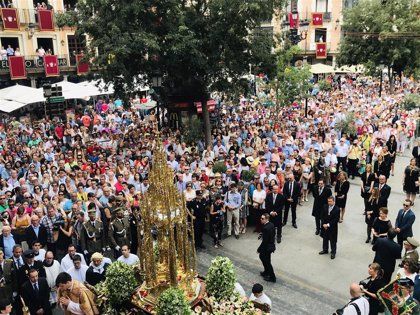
{"x":157,"y":84}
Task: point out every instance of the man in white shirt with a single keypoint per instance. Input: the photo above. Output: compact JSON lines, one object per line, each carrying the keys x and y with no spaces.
{"x":342,"y":150}
{"x":78,"y":271}
{"x":38,"y":251}
{"x":67,"y":261}
{"x":259,"y":296}
{"x":358,"y":304}
{"x":127,"y":257}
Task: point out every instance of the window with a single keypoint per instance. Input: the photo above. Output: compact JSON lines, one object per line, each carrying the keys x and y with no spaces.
{"x":13,"y":42}
{"x":69,"y":4}
{"x":77,"y":45}
{"x":349,"y":4}
{"x":46,"y":44}
{"x":321,"y":6}
{"x":320,"y":35}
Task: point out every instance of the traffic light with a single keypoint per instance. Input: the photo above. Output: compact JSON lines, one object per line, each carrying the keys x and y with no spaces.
{"x":47,"y":90}
{"x":56,"y":90}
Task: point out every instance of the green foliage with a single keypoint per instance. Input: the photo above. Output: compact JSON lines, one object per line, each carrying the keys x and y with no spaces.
{"x":248,"y":176}
{"x":263,"y":59}
{"x":379,"y":32}
{"x":219,"y":167}
{"x":221,"y":278}
{"x":411,"y":101}
{"x":193,"y":131}
{"x":347,"y":125}
{"x":119,"y":284}
{"x":67,"y":18}
{"x":324,"y":85}
{"x":173,"y":302}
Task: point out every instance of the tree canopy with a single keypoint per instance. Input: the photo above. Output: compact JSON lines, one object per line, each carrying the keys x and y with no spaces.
{"x":198,"y":46}
{"x":378,"y":32}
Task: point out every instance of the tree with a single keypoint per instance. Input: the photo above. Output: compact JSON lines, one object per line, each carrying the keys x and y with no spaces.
{"x":381,"y":32}
{"x":292,"y":81}
{"x":195,"y":45}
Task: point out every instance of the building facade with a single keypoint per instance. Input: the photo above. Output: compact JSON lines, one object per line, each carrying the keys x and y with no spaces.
{"x":328,"y":32}
{"x":30,"y":40}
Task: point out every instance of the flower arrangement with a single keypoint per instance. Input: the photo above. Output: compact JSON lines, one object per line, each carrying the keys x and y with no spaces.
{"x":248,"y":176}
{"x":115,"y":292}
{"x":235,"y":305}
{"x":173,"y":301}
{"x":221,"y":278}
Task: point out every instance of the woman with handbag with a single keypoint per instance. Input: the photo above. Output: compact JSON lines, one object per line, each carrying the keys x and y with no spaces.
{"x":258,"y":199}
{"x":367,"y":181}
{"x":371,"y":286}
{"x":341,"y":190}
{"x":371,"y":211}
{"x":411,"y":180}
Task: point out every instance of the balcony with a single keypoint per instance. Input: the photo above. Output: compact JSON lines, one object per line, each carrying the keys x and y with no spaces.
{"x":35,"y":64}
{"x":312,"y":46}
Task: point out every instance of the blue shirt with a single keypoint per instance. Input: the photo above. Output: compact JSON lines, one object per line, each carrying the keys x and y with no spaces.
{"x":36,"y":230}
{"x":8,"y":242}
{"x":233,"y":200}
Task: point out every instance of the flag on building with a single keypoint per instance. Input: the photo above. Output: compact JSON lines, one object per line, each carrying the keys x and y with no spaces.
{"x":17,"y":67}
{"x":317,"y":19}
{"x":293,"y":22}
{"x":46,"y":20}
{"x":82,"y":66}
{"x":51,"y":66}
{"x":10,"y":18}
{"x":321,"y":50}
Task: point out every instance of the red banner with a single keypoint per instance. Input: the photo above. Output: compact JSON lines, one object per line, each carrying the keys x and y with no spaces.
{"x":317,"y":19}
{"x":10,"y":18}
{"x":51,"y":66}
{"x":321,"y":50}
{"x":17,"y":67}
{"x":82,"y":66}
{"x":293,"y":22}
{"x":45,"y":20}
{"x":211,"y":106}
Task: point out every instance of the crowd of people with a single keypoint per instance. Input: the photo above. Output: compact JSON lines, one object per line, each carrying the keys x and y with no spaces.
{"x":68,"y":188}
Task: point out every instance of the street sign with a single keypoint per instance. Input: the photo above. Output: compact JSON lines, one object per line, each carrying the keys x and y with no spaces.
{"x":56,"y":99}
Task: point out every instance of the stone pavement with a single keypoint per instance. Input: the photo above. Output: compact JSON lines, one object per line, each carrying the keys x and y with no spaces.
{"x":308,"y":283}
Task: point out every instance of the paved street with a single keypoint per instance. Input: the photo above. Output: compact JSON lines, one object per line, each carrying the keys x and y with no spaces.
{"x":308,"y":283}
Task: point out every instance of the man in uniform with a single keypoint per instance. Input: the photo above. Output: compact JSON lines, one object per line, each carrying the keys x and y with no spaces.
{"x":199,"y":208}
{"x":92,"y":236}
{"x":119,"y":232}
{"x":8,"y":283}
{"x":410,"y":246}
{"x":30,"y":263}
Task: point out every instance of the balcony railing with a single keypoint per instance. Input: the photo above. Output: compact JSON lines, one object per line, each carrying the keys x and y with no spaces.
{"x":30,"y":16}
{"x":35,"y":63}
{"x":312,"y":46}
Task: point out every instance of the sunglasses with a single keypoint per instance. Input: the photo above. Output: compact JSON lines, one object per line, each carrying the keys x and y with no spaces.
{"x":406,"y":205}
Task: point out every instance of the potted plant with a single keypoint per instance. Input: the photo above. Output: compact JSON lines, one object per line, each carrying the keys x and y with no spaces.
{"x":115,"y":292}
{"x":248,"y":175}
{"x":221,"y":278}
{"x":173,"y":301}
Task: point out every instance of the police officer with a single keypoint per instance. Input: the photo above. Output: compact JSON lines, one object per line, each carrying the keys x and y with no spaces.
{"x":92,"y":236}
{"x":8,"y":283}
{"x":199,"y":210}
{"x":30,"y":263}
{"x":119,"y":232}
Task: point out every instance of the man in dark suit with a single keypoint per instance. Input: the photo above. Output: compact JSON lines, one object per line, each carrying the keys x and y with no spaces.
{"x":36,"y":294}
{"x":36,"y":232}
{"x":274,"y":204}
{"x":387,"y":252}
{"x":291,"y":192}
{"x":8,"y":283}
{"x":404,"y":222}
{"x":384,"y":192}
{"x":329,"y":219}
{"x":30,"y":263}
{"x":267,"y":247}
{"x":321,"y":194}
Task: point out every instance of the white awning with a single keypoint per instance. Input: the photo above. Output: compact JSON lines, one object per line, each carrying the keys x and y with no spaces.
{"x":319,"y":68}
{"x":22,"y":94}
{"x":350,"y":69}
{"x":10,"y":106}
{"x":95,"y":88}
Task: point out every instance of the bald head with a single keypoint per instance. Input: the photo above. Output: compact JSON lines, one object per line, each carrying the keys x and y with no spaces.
{"x":355,"y":290}
{"x":6,"y":230}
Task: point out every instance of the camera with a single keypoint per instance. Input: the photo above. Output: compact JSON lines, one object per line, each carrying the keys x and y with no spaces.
{"x":57,"y":224}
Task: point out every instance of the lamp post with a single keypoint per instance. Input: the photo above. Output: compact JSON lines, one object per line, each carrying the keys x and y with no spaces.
{"x":294,"y":36}
{"x":157,"y":84}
